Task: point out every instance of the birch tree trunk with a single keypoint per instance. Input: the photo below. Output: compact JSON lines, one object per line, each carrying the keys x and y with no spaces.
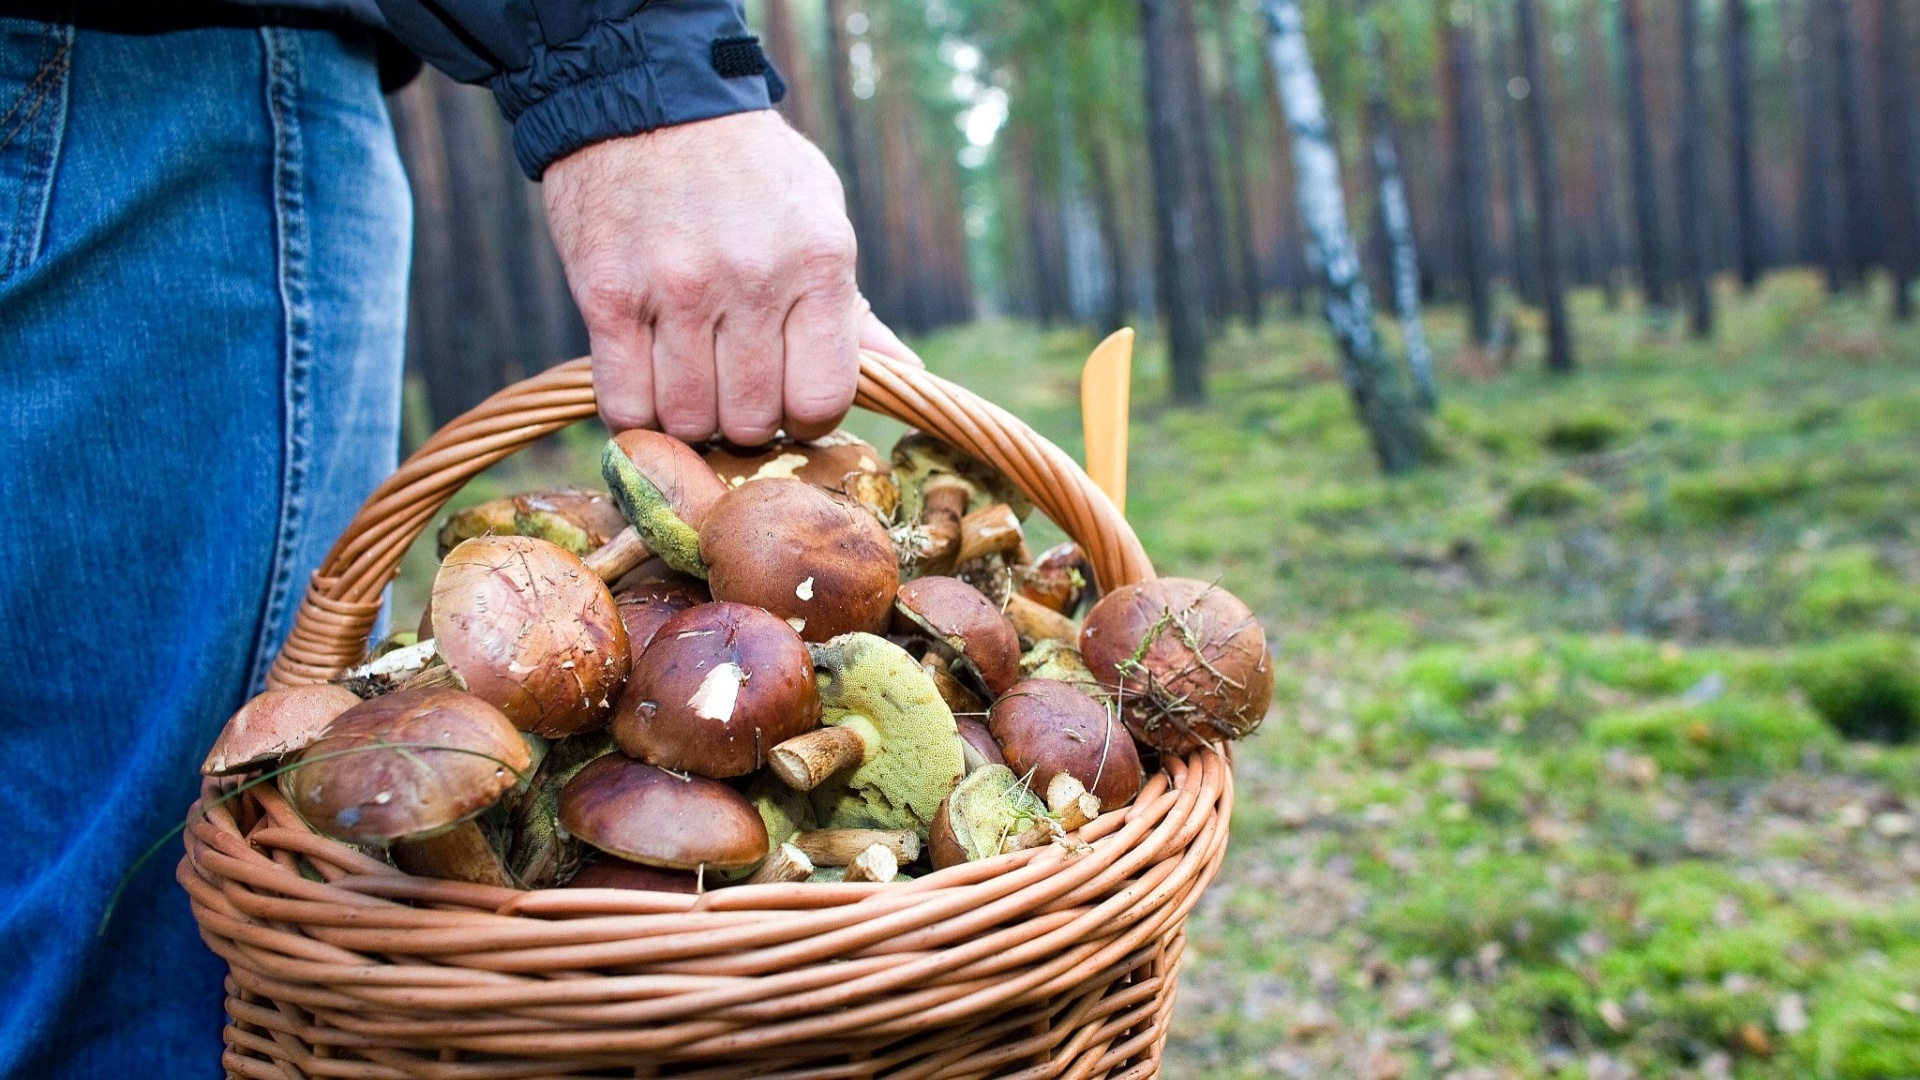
{"x":1473,"y":227}
{"x":1177,"y":265}
{"x":1398,"y":220}
{"x":1695,"y":224}
{"x":1394,"y":424}
{"x":1895,"y":97}
{"x":1646,"y":197}
{"x":1746,"y":204}
{"x":1545,"y":191}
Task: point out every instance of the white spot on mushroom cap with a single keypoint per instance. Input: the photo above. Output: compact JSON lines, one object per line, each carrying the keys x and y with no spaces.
{"x":718,"y":693}
{"x":805,"y":590}
{"x":780,"y":467}
{"x":799,"y":625}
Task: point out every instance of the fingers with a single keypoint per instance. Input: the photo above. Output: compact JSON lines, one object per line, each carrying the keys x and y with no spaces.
{"x":876,"y":336}
{"x":683,"y":377}
{"x":623,"y":374}
{"x":748,"y":353}
{"x":823,"y":362}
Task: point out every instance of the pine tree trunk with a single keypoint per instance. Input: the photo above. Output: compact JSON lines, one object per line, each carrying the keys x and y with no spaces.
{"x":1857,"y":238}
{"x":1695,"y":223}
{"x":1398,"y":220}
{"x":1395,"y":425}
{"x":1176,"y":215}
{"x":1234,"y":105}
{"x":787,"y":47}
{"x":1545,"y":191}
{"x":1820,"y":164}
{"x":1519,"y":265}
{"x":847,"y":134}
{"x":1609,"y":249}
{"x":1646,"y":197}
{"x":1746,"y":203}
{"x":1107,"y":212}
{"x":1217,"y":269}
{"x":1473,"y":227}
{"x":1896,"y":154}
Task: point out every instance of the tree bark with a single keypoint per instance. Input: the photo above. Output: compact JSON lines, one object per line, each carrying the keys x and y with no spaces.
{"x":1395,"y":425}
{"x":1218,"y":286}
{"x":1107,"y":213}
{"x":1895,"y":100}
{"x":1473,"y":227}
{"x":1820,"y":164}
{"x":1398,"y":220}
{"x":1545,"y":188}
{"x":1520,"y":266}
{"x":1858,"y":247}
{"x":1600,"y":116}
{"x":1176,"y":215}
{"x":1234,"y":105}
{"x":1746,"y":205}
{"x":1646,"y":198}
{"x":1696,"y":225}
{"x":847,"y":134}
{"x":787,"y":47}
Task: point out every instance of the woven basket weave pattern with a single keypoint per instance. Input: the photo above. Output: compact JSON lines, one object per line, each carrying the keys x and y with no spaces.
{"x":1043,"y":963}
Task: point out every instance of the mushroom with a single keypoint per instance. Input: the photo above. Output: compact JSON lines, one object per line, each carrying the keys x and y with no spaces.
{"x":891,"y":751}
{"x":876,"y":864}
{"x":978,"y":746}
{"x":961,"y":699}
{"x":541,"y":853}
{"x":665,"y":490}
{"x":1188,"y":658}
{"x":526,"y":626}
{"x":785,"y":864}
{"x":815,"y":559}
{"x":1046,"y":728}
{"x":938,"y":487}
{"x":611,"y":872}
{"x":274,"y":724}
{"x":650,"y":816}
{"x":1058,"y":579}
{"x":991,"y":530}
{"x":839,"y":847}
{"x":990,"y":812}
{"x":1061,"y":661}
{"x":645,"y":605}
{"x":412,"y":767}
{"x":720,"y":685}
{"x":575,"y":519}
{"x":840,"y":462}
{"x":1036,"y":622}
{"x":963,"y":626}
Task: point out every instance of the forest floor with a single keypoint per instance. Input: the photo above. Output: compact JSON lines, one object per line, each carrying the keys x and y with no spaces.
{"x":1556,"y":782}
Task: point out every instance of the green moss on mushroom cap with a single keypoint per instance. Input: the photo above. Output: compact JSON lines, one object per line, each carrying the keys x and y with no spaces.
{"x":406,"y":766}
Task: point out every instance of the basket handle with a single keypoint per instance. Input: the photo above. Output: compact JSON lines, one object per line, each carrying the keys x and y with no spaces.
{"x":330,"y":630}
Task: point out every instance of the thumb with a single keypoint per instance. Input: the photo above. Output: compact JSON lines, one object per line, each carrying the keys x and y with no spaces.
{"x":875,"y":336}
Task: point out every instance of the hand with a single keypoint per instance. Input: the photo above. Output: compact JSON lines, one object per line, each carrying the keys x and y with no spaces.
{"x":714,"y":265}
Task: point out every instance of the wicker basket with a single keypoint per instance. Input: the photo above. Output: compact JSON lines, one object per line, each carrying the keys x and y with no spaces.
{"x":1043,"y":963}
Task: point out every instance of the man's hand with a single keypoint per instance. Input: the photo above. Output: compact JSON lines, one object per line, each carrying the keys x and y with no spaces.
{"x":714,"y":264}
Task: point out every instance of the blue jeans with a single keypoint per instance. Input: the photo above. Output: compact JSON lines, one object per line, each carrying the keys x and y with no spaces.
{"x":203,"y":258}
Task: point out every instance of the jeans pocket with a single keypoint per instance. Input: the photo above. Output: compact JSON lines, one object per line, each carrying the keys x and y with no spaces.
{"x":35,"y":59}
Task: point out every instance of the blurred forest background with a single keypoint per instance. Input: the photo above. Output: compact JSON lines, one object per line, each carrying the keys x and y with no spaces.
{"x":1541,"y":371}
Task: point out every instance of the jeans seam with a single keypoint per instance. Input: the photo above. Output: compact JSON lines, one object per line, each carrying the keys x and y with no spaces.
{"x":292,"y":242}
{"x":45,"y":123}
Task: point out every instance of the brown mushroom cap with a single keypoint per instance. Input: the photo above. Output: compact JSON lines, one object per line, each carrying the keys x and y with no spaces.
{"x":1046,"y":728}
{"x":648,"y":815}
{"x":406,"y":765}
{"x":966,"y":624}
{"x":815,"y":559}
{"x":1189,"y":659}
{"x":609,"y":872}
{"x":645,"y":605}
{"x":576,"y":519}
{"x":720,"y":686}
{"x":675,"y":469}
{"x":274,"y":723}
{"x":527,"y":627}
{"x":1058,"y":578}
{"x":975,"y":733}
{"x":840,"y":462}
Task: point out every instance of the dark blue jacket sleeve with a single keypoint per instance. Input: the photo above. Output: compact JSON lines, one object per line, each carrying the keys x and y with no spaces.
{"x":573,"y":72}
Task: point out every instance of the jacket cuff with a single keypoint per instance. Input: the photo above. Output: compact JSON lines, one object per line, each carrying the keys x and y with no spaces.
{"x":670,"y":62}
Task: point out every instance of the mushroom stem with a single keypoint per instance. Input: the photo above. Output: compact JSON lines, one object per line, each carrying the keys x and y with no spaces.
{"x":941,"y":514}
{"x":787,"y":863}
{"x":805,"y":761}
{"x":617,"y":557}
{"x":1036,"y":622}
{"x":462,"y":853}
{"x":840,"y":847}
{"x":876,"y":863}
{"x":1071,"y":802}
{"x":990,"y":530}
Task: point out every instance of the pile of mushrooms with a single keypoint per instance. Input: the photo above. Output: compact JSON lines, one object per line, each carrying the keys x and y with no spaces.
{"x":797,"y":662}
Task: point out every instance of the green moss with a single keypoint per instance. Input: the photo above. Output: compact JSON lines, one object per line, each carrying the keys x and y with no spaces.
{"x":1864,"y":1022}
{"x":1731,"y":736}
{"x":1733,"y":493}
{"x":1550,"y":496}
{"x":1867,"y":686}
{"x":1584,"y":432}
